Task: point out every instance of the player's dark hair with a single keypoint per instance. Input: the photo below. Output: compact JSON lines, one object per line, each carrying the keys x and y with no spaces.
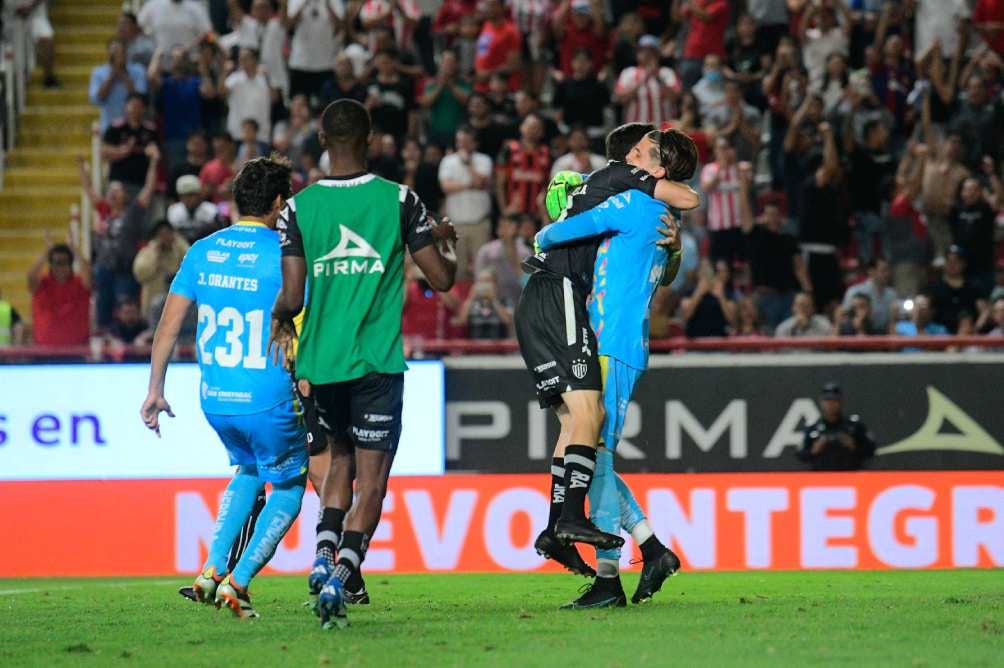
{"x":259,"y":182}
{"x":346,"y":125}
{"x":679,"y":155}
{"x":624,"y":138}
{"x":60,"y":249}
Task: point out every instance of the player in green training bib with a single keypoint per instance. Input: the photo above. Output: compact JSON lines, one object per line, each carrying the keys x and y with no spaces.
{"x":344,"y":239}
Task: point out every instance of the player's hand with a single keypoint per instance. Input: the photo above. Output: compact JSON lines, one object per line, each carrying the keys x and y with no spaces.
{"x":304,"y":386}
{"x":151,"y":409}
{"x":671,"y":241}
{"x":280,"y":341}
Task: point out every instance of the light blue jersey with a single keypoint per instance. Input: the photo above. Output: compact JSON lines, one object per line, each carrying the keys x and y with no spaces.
{"x":619,"y":308}
{"x":234,"y":275}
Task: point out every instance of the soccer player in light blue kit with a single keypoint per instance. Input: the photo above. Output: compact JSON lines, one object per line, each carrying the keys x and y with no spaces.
{"x":234,"y":276}
{"x":632,"y":261}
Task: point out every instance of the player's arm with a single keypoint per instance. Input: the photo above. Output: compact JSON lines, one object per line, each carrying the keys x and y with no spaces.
{"x":164,"y":341}
{"x":601,"y":219}
{"x":428,"y":243}
{"x":289,"y":301}
{"x":677,"y":195}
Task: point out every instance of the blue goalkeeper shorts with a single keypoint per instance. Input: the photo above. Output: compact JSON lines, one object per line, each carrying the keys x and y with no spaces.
{"x":619,"y":380}
{"x":275,"y":441}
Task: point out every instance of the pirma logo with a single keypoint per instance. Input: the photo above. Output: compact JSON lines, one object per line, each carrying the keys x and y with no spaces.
{"x":579,"y":369}
{"x":364,"y":258}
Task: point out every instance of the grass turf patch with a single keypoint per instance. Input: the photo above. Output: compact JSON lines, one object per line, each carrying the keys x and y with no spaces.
{"x":863,"y":618}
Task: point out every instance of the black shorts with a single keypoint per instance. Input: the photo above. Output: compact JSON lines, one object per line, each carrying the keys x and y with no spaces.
{"x":365,"y":411}
{"x":317,"y":441}
{"x":557,"y":344}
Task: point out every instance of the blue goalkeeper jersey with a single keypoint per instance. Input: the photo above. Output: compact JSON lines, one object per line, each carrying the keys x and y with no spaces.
{"x":235,"y":275}
{"x":629,"y":266}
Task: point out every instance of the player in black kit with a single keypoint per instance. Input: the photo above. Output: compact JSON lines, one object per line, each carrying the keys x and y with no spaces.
{"x":558,"y":346}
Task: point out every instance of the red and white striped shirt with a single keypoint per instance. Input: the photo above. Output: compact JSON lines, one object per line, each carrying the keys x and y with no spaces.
{"x":723,"y":201}
{"x":651,"y":102}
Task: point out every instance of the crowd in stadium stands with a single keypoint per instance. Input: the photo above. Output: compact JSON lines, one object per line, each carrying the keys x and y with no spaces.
{"x":851,"y":149}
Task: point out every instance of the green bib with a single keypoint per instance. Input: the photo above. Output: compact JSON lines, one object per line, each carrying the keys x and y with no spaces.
{"x":354,"y":252}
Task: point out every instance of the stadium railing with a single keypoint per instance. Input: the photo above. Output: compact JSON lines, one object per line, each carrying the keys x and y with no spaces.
{"x":99,"y":351}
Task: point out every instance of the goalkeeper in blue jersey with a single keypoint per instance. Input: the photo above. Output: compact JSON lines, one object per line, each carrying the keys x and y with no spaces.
{"x":635,"y":256}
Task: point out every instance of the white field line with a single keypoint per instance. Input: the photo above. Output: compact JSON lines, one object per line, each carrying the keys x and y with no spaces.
{"x":120,"y":585}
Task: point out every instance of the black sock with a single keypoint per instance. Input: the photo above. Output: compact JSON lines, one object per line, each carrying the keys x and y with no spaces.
{"x":651,"y":549}
{"x":557,"y":491}
{"x":580,"y":460}
{"x":329,"y":532}
{"x":351,"y":553}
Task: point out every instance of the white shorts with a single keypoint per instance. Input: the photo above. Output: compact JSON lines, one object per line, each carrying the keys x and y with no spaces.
{"x":38,"y":23}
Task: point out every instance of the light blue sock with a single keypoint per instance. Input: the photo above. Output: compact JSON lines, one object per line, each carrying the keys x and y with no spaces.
{"x":604,"y":500}
{"x":235,"y":508}
{"x":631,"y":512}
{"x":279,"y":513}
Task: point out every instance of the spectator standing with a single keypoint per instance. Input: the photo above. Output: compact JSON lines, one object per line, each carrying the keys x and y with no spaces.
{"x":157,"y":263}
{"x":738,"y":122}
{"x":112,"y":83}
{"x":585,"y":29}
{"x":579,"y":158}
{"x":449,"y":17}
{"x":128,"y":327}
{"x":707,"y":21}
{"x":174,"y":23}
{"x":711,"y":309}
{"x":192,"y":216}
{"x":60,"y":298}
{"x":312,"y":49}
{"x":486,"y":317}
{"x":35,"y":17}
{"x":824,"y":224}
{"x":906,"y":240}
{"x":427,"y":177}
{"x":391,"y":97}
{"x":248,"y":95}
{"x":920,"y":323}
{"x":881,"y":296}
{"x":977,"y":118}
{"x":535,"y":22}
{"x":211,"y":68}
{"x":499,"y":48}
{"x":776,"y":264}
{"x":11,"y":325}
{"x":139,"y":48}
{"x":771,"y":17}
{"x":502,"y":258}
{"x":489,"y":133}
{"x":179,"y":99}
{"x":822,"y":34}
{"x":749,"y":60}
{"x":218,"y":174}
{"x":710,"y":88}
{"x":857,"y":318}
{"x":943,"y":176}
{"x":465,"y":177}
{"x":250,"y":147}
{"x":264,"y":34}
{"x":720,"y":182}
{"x":524,"y":168}
{"x":294,"y":137}
{"x":124,"y":144}
{"x":835,"y":442}
{"x":973,"y":225}
{"x":579,"y":99}
{"x":647,"y":91}
{"x":953,"y":294}
{"x":344,"y":84}
{"x":445,"y":98}
{"x":870,"y":182}
{"x":804,"y":321}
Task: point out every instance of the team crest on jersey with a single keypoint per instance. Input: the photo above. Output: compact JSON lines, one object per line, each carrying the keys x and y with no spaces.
{"x":579,"y":369}
{"x":352,"y":255}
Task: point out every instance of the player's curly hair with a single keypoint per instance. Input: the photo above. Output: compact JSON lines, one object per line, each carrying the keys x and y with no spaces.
{"x":259,"y":182}
{"x":679,"y":155}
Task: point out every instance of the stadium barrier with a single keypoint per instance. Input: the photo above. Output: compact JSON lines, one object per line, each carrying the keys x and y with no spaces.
{"x":477,"y":523}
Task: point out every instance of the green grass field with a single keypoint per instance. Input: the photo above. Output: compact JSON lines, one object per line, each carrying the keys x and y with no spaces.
{"x":899,"y":619}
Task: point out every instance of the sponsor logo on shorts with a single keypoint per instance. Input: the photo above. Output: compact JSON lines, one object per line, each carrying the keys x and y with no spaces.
{"x":219,"y":257}
{"x":580,"y":369}
{"x":545,"y":366}
{"x":370,"y":435}
{"x":550,"y":382}
{"x":378,"y":417}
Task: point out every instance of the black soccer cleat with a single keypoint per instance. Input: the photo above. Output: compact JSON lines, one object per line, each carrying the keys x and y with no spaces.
{"x":653,"y":574}
{"x":581,"y":530}
{"x":189,"y":593}
{"x":601,"y":593}
{"x":568,"y":556}
{"x":354,"y":591}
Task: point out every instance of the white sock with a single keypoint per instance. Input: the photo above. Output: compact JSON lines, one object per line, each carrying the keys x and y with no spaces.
{"x":607,"y":568}
{"x":641,"y":532}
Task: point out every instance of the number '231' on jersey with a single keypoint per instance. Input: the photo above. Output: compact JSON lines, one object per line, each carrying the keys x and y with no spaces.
{"x":234,"y":276}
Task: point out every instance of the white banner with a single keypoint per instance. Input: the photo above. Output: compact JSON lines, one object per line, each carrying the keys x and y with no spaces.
{"x":74,"y":422}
